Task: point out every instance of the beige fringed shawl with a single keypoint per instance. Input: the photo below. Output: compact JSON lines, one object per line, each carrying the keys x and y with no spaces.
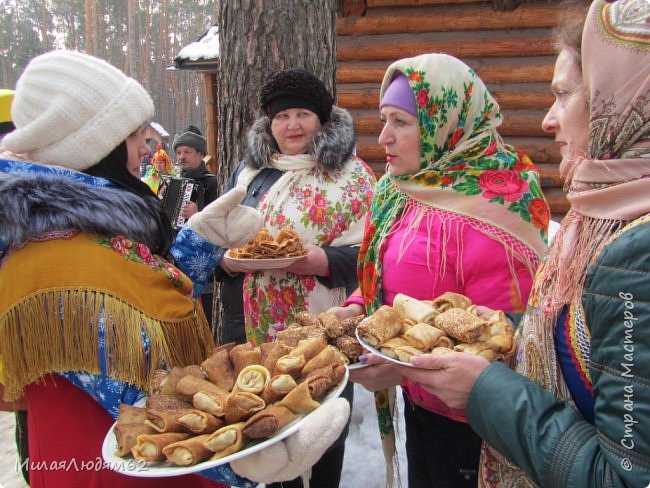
{"x":61,"y":296}
{"x":606,"y":192}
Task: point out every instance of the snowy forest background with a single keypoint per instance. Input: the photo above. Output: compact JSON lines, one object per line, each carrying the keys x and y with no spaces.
{"x":141,"y":37}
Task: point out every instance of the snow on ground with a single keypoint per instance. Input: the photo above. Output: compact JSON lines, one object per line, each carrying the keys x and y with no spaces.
{"x":363,"y":465}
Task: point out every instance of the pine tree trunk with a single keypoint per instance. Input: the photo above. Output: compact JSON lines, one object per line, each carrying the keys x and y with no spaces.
{"x":258,"y":37}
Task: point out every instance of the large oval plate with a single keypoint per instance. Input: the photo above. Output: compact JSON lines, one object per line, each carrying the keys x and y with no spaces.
{"x":131,"y":467}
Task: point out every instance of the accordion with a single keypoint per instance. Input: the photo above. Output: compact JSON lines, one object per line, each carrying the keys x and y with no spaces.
{"x":174,"y":192}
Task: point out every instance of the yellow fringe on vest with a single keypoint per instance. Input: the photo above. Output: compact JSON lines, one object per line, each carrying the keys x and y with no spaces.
{"x":56,"y":328}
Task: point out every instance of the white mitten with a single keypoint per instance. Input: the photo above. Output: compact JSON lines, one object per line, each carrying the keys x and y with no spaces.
{"x":297,"y":453}
{"x":225,"y":223}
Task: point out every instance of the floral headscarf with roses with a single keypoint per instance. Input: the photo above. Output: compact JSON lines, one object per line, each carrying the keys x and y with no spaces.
{"x":465,"y":168}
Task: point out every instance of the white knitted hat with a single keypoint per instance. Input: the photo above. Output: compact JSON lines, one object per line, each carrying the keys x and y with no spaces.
{"x":71,"y":109}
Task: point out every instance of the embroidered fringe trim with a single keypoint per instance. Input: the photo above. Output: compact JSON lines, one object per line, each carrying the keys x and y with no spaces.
{"x":578,"y":241}
{"x":59,"y":330}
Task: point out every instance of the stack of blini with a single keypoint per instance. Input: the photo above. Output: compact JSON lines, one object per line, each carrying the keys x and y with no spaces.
{"x":240,"y":393}
{"x":448,"y":323}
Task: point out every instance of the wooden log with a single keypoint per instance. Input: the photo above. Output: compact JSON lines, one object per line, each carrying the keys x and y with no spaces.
{"x":491,"y":70}
{"x":509,"y":96}
{"x":517,"y":123}
{"x":528,"y":42}
{"x":550,"y":175}
{"x":472,"y":17}
{"x":557,"y":200}
{"x":542,"y":150}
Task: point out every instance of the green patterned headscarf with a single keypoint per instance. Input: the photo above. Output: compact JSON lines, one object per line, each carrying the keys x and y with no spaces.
{"x":465,"y":167}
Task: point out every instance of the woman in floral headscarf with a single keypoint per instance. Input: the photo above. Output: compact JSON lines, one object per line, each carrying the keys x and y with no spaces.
{"x":457,"y":210}
{"x":574,"y":410}
{"x":161,"y":166}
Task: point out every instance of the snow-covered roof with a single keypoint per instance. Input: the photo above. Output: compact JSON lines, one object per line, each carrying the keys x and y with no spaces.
{"x":204,"y":48}
{"x":159,"y":129}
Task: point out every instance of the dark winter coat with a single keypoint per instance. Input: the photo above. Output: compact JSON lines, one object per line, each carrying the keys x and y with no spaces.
{"x":333,"y":145}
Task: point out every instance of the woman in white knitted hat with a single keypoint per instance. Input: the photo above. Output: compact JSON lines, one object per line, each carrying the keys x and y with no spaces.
{"x":89,"y":305}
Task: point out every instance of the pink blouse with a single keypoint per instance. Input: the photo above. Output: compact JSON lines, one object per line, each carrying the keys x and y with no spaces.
{"x":447,"y":252}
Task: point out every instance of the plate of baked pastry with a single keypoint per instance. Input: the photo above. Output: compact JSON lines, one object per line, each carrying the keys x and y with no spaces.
{"x":238,"y":401}
{"x":450,"y":322}
{"x":339,"y":333}
{"x":265,"y":251}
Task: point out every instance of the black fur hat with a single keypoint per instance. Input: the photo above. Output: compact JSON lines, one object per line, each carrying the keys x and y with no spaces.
{"x":295,"y":88}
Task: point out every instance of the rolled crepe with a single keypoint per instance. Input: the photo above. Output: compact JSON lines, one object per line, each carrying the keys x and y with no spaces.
{"x":129,"y":414}
{"x":277,"y":350}
{"x":289,"y":364}
{"x":253,"y":379}
{"x":219,"y":369}
{"x":350,"y":324}
{"x":322,"y":380}
{"x":166,"y":402}
{"x":388,"y":347}
{"x":382,"y":325}
{"x":449,"y":299}
{"x":328,"y":355}
{"x":332,"y":325}
{"x":126,"y":436}
{"x":265,"y":350}
{"x":227,"y":440}
{"x":199,"y":422}
{"x":293,"y":335}
{"x":503,"y":344}
{"x":227,"y":346}
{"x":462,"y":325}
{"x":168,"y":384}
{"x":424,"y":336}
{"x":165,"y":420}
{"x":305,"y":318}
{"x":479,"y":348}
{"x":299,"y":400}
{"x":242,"y":405}
{"x":243,"y":355}
{"x":414,"y":309}
{"x":501,"y":327}
{"x":441,"y":350}
{"x":211,"y":401}
{"x":308,"y":348}
{"x":149,"y":447}
{"x":155,"y":384}
{"x":278,"y":387}
{"x":405,"y":353}
{"x":349,"y":346}
{"x":194,"y":370}
{"x":267,"y":422}
{"x":187,"y":452}
{"x":190,"y":385}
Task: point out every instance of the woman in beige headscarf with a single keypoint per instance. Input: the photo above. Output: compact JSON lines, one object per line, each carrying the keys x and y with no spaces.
{"x":573,"y":412}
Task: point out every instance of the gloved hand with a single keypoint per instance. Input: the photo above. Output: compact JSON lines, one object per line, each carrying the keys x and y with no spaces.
{"x":225,"y":223}
{"x":297,"y":453}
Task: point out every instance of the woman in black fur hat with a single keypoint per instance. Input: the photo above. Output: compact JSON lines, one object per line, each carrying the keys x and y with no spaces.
{"x":300,"y":171}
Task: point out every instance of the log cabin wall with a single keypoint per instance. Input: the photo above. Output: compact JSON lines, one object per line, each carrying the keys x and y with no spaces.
{"x":512,"y":51}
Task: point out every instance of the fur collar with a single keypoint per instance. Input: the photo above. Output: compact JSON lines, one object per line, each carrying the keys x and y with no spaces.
{"x":35,"y":203}
{"x":332,"y":145}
